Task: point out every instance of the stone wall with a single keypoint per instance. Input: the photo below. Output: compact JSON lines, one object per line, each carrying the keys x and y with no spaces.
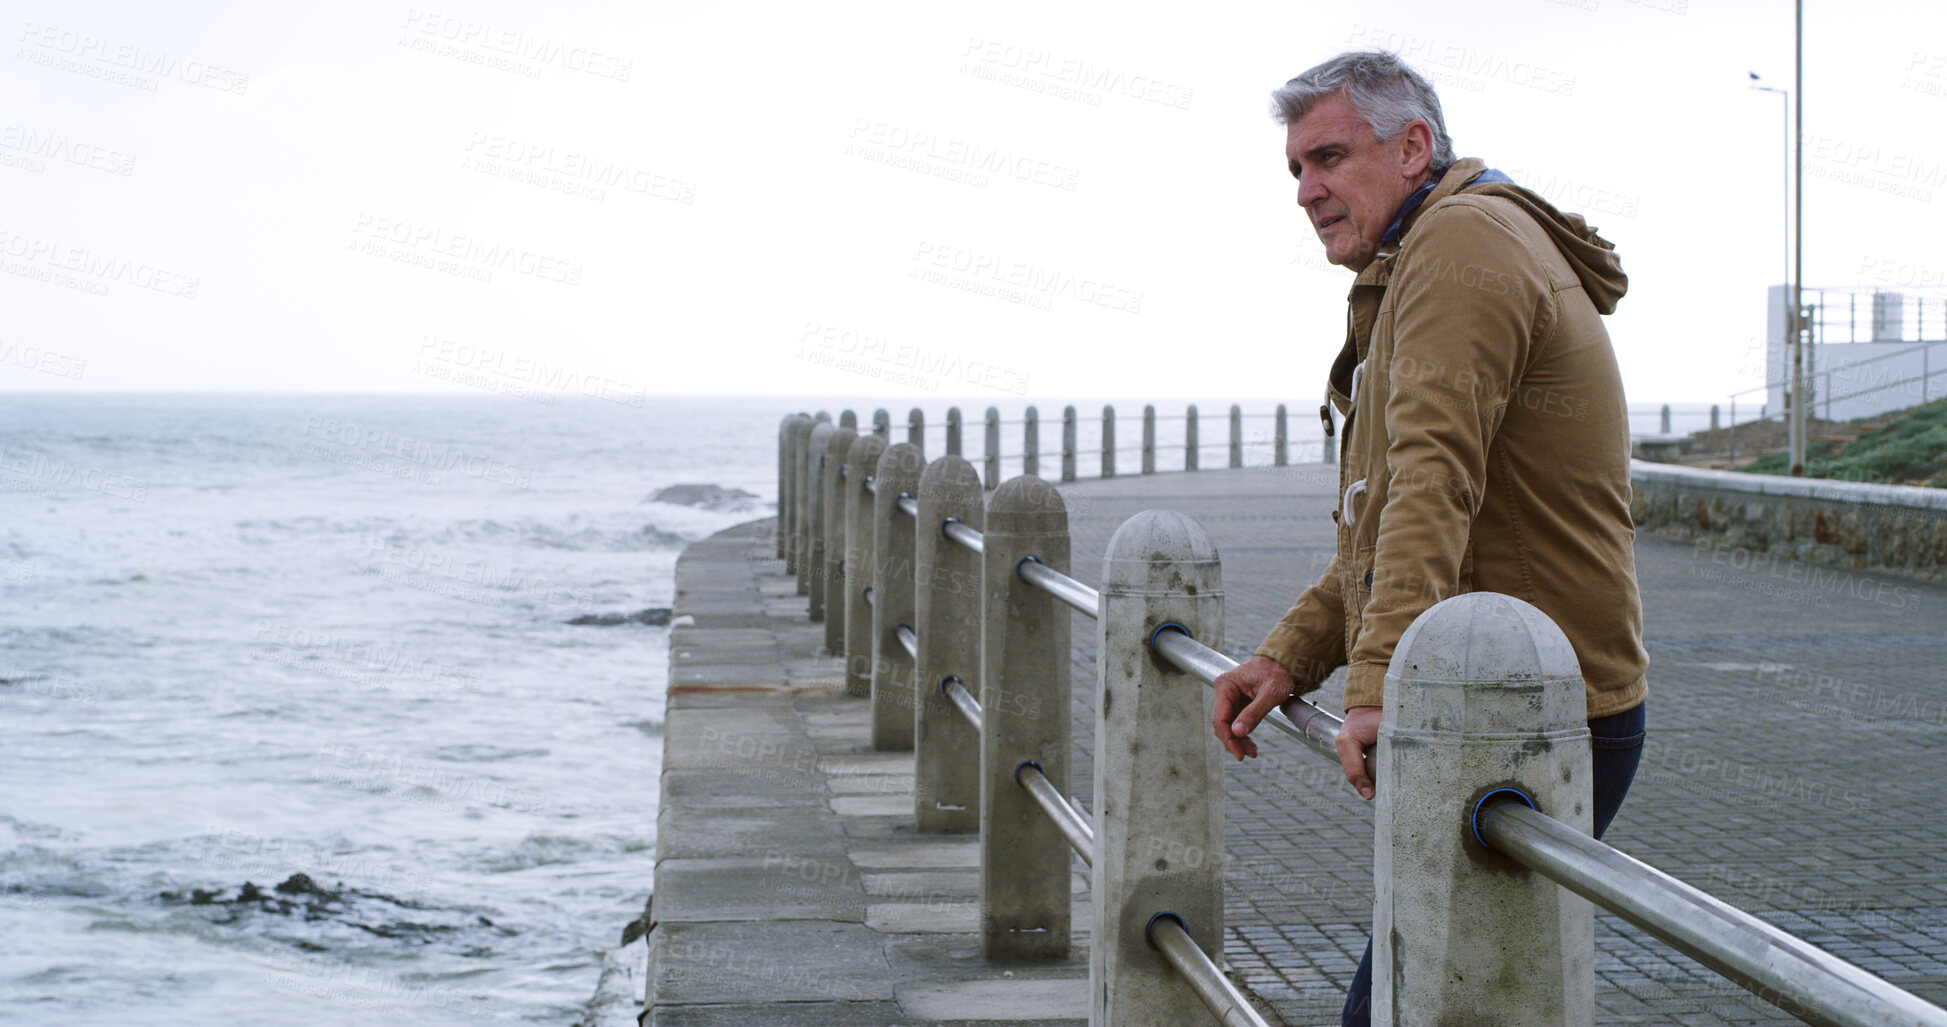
{"x":1897,"y":528}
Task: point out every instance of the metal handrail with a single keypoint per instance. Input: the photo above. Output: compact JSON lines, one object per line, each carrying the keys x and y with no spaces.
{"x":1069,"y":820}
{"x":907,"y":504}
{"x":964,"y":701}
{"x":1803,"y":979}
{"x":904,"y":633}
{"x":872,"y":484}
{"x":1299,"y":718}
{"x":1771,"y":963}
{"x":1225,"y":1002}
{"x":965,"y":536}
{"x":1064,"y":588}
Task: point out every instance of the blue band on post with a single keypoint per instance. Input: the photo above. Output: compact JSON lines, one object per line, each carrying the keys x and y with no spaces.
{"x":1474,"y":822}
{"x":1151,"y":925}
{"x":1026,"y":559}
{"x":1168,"y":626}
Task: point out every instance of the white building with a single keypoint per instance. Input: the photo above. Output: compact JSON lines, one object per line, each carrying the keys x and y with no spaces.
{"x":1872,"y":350}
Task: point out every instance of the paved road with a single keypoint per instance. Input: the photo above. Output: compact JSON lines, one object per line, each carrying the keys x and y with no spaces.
{"x":1796,"y":765}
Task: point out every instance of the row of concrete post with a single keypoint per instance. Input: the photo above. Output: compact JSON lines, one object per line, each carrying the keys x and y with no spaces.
{"x":1031,"y":452}
{"x":874,"y":571}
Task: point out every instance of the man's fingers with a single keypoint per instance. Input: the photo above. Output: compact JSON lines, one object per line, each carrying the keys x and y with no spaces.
{"x":1260,"y":707}
{"x":1352,"y":760}
{"x":1228,"y":699}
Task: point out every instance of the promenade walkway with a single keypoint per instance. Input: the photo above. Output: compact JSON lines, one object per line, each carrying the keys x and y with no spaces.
{"x":1797,"y":767}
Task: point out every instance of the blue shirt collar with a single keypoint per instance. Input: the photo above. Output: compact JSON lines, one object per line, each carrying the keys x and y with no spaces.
{"x":1395,"y":230}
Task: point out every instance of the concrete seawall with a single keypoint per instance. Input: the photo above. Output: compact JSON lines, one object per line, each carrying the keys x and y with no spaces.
{"x":1854,"y":525}
{"x":791,"y":886}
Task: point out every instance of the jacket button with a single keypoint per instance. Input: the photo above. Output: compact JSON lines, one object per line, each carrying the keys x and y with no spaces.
{"x":1368,"y":579}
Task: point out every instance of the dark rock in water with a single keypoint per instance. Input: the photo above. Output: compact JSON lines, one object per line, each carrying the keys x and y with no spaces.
{"x":707,"y":497}
{"x":655,"y":617}
{"x":250,"y":893}
{"x":301,"y":884}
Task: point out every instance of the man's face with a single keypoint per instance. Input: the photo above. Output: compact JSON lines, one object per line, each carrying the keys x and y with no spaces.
{"x":1349,"y":182}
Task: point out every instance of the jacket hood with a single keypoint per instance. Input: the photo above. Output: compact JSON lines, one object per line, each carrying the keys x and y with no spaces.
{"x":1593,"y":257}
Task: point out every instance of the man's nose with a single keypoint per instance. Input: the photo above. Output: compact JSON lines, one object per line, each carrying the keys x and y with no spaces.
{"x":1309,"y":192}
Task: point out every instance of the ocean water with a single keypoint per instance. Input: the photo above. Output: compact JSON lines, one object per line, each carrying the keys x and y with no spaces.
{"x":245,"y":639}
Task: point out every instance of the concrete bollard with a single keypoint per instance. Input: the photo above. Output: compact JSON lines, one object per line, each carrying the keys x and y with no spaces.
{"x":946,"y":608}
{"x":953,"y":431}
{"x":783,"y":475}
{"x":916,"y":428}
{"x":848,"y":419}
{"x":787,"y":508}
{"x":801,"y":499}
{"x":831,"y":568}
{"x":1024,"y":696}
{"x":1108,"y":441}
{"x":1713,"y":417}
{"x":991,"y":442}
{"x":1068,"y":443}
{"x":1190,"y":438}
{"x":882,"y":424}
{"x":1031,"y":442}
{"x":1664,"y":421}
{"x":1280,"y":441}
{"x":1149,"y":439}
{"x":861,"y":564}
{"x":1236,"y":436}
{"x":818,"y":447}
{"x":787,"y":501}
{"x":1159,"y":784}
{"x":893,"y":699}
{"x":1483,"y":693}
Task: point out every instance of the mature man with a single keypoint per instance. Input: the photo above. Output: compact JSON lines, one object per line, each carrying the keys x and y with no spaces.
{"x":1486,"y":442}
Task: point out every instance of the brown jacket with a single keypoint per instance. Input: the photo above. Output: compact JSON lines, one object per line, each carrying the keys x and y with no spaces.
{"x":1486,"y":443}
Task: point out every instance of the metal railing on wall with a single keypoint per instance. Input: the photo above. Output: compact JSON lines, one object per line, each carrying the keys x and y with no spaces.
{"x":951,"y":608}
{"x":1254,"y":439}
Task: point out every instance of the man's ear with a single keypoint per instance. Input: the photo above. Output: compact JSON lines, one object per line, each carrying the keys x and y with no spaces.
{"x":1416,"y":151}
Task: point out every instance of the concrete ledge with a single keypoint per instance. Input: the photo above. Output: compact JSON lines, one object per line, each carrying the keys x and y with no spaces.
{"x":792,"y":887}
{"x":1858,"y":525}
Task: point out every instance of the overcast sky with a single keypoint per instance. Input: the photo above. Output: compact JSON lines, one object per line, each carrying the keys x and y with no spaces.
{"x":1058,"y":201}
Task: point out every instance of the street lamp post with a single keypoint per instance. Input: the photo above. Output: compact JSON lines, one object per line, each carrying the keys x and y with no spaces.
{"x":1795,"y":317}
{"x":1798,"y":244}
{"x":1796,"y":426}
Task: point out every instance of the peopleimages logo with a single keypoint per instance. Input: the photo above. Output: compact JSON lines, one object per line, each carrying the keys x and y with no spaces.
{"x":91,"y":271}
{"x":461,"y":34}
{"x":35,"y":148}
{"x":100,"y":57}
{"x":472,"y":256}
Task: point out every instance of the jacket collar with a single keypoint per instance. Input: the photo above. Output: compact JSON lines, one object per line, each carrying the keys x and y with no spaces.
{"x":1459,"y":175}
{"x":1362,"y":303}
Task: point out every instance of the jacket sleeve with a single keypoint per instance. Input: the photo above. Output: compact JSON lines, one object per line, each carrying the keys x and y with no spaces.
{"x":1309,"y":641}
{"x":1468,"y":302}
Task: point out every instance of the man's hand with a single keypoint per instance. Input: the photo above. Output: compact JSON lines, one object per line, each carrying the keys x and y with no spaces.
{"x":1246,"y":694}
{"x":1360,"y":732}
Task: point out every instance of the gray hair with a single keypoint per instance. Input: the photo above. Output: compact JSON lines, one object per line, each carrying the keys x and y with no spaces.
{"x":1386,"y":93}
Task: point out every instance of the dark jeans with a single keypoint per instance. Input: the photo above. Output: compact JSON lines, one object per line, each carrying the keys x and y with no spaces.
{"x":1616,"y":745}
